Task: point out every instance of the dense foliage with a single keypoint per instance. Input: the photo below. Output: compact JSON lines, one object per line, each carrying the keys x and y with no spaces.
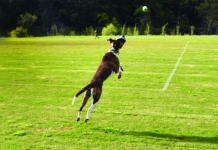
{"x":69,"y":17}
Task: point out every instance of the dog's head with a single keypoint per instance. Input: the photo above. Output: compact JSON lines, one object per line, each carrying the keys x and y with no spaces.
{"x":117,"y":43}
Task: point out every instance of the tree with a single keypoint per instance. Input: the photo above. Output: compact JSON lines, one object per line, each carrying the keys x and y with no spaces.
{"x":27,"y":20}
{"x":209,"y":11}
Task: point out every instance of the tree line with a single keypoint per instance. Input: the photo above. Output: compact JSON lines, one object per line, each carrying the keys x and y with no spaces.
{"x":86,"y":17}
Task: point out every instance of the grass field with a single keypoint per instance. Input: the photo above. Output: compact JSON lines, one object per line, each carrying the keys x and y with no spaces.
{"x":39,"y":76}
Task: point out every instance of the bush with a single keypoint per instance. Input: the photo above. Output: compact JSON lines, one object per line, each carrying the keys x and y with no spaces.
{"x":147,"y":29}
{"x":135,"y":31}
{"x":173,"y":31}
{"x":72,"y":32}
{"x":54,"y":29}
{"x":123,"y":32}
{"x":89,"y":31}
{"x":19,"y":32}
{"x":64,"y":30}
{"x":178,"y":30}
{"x":163,"y":29}
{"x":110,"y":29}
{"x":192,"y":30}
{"x":116,"y":23}
{"x":129,"y":31}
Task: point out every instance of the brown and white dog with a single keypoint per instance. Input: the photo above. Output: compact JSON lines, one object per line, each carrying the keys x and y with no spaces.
{"x":110,"y":63}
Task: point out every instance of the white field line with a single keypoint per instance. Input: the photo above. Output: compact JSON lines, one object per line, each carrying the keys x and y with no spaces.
{"x":167,"y":83}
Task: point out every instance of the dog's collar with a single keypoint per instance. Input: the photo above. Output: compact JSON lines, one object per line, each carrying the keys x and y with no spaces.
{"x":112,"y":50}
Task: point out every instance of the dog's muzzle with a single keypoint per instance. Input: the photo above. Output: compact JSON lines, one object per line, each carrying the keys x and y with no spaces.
{"x":122,"y":38}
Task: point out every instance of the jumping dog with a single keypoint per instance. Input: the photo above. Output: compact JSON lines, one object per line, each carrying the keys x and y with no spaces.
{"x":110,"y":63}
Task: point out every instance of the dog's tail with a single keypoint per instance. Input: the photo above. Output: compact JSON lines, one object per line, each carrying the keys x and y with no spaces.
{"x":81,"y":91}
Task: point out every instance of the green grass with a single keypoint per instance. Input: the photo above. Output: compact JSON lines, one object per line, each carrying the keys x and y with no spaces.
{"x":39,"y":76}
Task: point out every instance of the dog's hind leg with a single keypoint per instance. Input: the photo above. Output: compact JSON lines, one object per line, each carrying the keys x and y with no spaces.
{"x":96,"y":96}
{"x":81,"y":91}
{"x":85,"y":99}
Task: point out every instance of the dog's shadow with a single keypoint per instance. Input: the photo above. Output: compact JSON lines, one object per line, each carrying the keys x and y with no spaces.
{"x":182,"y":138}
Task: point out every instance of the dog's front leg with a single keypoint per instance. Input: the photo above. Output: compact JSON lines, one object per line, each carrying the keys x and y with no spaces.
{"x":120,"y":72}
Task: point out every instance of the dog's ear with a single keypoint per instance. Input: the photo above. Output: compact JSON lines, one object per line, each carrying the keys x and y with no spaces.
{"x":110,"y":40}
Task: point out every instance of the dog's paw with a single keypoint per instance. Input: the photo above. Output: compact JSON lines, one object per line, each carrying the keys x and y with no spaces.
{"x":86,"y":120}
{"x":119,"y":75}
{"x":78,"y":119}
